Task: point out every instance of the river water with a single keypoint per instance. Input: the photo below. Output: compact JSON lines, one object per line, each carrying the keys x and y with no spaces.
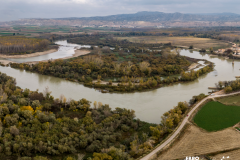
{"x":65,"y":50}
{"x":150,"y":105}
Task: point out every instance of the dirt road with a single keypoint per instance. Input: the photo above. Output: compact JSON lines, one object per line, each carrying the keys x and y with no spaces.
{"x":183,"y":124}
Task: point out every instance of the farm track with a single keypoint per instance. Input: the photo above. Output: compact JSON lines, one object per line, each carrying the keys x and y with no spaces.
{"x":184,"y":122}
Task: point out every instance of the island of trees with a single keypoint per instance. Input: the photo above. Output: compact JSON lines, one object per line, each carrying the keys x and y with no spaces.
{"x":122,"y":69}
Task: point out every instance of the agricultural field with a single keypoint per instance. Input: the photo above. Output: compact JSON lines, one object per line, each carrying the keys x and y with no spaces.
{"x":35,"y":31}
{"x":195,"y":141}
{"x":233,"y":155}
{"x":215,"y":116}
{"x":179,"y":41}
{"x":233,"y":100}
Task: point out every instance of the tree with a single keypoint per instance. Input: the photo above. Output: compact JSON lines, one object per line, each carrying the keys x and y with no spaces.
{"x":14,"y":130}
{"x":95,"y":104}
{"x":144,"y":67}
{"x":211,"y":49}
{"x":228,"y":89}
{"x":169,"y":122}
{"x":40,"y":158}
{"x":46,"y":92}
{"x":101,"y":156}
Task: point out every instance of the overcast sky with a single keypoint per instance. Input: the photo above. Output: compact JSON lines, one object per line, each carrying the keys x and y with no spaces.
{"x":17,"y":9}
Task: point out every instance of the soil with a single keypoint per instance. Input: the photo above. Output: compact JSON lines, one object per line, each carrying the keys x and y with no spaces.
{"x":231,"y":155}
{"x":196,"y":141}
{"x":192,"y":66}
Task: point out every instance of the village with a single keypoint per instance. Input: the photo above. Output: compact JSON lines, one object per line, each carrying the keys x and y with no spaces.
{"x":235,"y":50}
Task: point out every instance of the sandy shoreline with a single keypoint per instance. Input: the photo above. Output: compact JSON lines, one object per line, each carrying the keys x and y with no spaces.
{"x":192,"y":66}
{"x":5,"y":62}
{"x":30,"y":55}
{"x":76,"y":54}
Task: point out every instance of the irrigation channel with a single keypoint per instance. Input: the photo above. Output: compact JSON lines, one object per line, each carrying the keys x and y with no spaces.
{"x":149,"y":106}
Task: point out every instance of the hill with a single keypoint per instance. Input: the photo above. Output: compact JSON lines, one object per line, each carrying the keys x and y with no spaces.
{"x":139,"y":20}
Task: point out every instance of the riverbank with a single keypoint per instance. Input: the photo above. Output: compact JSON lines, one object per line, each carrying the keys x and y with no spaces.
{"x":56,"y":112}
{"x":180,"y":127}
{"x":29,"y":55}
{"x":76,"y":54}
{"x":193,"y":66}
{"x":159,"y":100}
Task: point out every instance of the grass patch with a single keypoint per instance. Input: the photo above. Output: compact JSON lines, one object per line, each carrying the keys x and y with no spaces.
{"x":6,"y":33}
{"x":216,"y":116}
{"x":237,"y":128}
{"x":233,"y":100}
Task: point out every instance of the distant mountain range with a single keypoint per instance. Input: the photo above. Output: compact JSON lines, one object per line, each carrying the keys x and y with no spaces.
{"x":140,"y":19}
{"x":163,"y":17}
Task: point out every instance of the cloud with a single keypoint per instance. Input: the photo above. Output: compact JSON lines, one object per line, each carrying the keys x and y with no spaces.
{"x":16,"y":9}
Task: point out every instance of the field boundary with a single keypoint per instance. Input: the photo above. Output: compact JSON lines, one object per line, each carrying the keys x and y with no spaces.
{"x":185,"y":121}
{"x":177,"y":136}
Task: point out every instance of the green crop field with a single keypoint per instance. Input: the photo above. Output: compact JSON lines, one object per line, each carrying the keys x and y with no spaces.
{"x":216,"y":116}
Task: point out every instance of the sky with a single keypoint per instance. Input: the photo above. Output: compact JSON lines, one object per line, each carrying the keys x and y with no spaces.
{"x":19,"y":9}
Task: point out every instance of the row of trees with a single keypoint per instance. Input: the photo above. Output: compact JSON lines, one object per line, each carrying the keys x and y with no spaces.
{"x":21,"y":45}
{"x":228,"y":86}
{"x":169,"y":121}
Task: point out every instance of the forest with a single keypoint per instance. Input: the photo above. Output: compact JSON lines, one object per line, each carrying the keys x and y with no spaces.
{"x":35,"y":123}
{"x":12,"y":45}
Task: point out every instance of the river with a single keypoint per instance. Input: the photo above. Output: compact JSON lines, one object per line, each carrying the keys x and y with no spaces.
{"x":65,"y":50}
{"x":150,"y":105}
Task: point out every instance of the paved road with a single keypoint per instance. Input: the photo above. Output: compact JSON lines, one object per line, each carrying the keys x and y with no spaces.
{"x":183,"y":124}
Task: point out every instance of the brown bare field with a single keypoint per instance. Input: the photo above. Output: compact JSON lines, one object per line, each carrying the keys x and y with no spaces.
{"x":233,"y":155}
{"x":180,"y":41}
{"x":195,"y":142}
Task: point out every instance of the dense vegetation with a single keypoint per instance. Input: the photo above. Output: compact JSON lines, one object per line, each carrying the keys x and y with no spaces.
{"x":33,"y":123}
{"x":138,"y":70}
{"x":228,"y":86}
{"x":216,"y":116}
{"x":109,"y":40}
{"x":21,"y":45}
